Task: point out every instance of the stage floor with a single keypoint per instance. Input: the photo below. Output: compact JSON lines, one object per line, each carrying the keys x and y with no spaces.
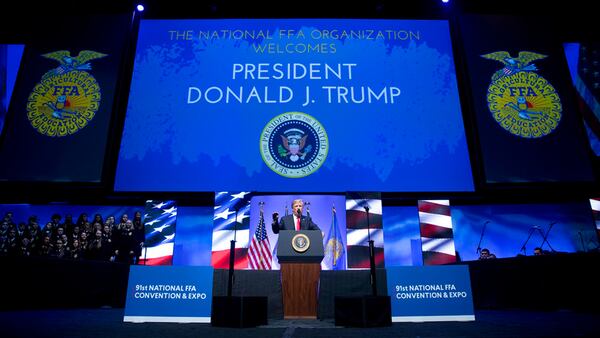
{"x":103,"y":323}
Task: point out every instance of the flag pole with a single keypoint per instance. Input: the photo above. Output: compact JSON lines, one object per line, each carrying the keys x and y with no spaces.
{"x":261,"y":219}
{"x":371,"y":255}
{"x":335,"y":243}
{"x":232,"y":255}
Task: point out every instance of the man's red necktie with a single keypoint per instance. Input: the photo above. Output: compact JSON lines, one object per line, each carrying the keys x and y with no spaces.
{"x":297,"y":223}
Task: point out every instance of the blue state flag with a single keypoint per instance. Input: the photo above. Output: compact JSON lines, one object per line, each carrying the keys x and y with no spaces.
{"x":335,"y":247}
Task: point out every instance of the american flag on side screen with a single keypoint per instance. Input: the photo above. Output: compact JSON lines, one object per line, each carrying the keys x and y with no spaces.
{"x":159,"y":220}
{"x":437,"y":237}
{"x":360,"y":229}
{"x":587,"y":83}
{"x":588,"y":69}
{"x":226,"y":229}
{"x":595,"y":202}
{"x":259,"y":254}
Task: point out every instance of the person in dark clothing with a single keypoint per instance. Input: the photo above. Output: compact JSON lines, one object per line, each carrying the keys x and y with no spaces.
{"x":296,"y":221}
{"x":486,"y":254}
{"x":127,"y":244}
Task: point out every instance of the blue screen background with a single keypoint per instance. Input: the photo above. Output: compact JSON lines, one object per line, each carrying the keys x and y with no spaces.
{"x":416,"y":143}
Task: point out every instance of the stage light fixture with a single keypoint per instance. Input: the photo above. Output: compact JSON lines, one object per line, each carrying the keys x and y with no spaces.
{"x":140,"y":8}
{"x":445,"y":1}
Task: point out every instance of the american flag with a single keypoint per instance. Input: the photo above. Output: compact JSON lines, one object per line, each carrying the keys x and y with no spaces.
{"x":259,"y":254}
{"x":159,"y":221}
{"x":62,"y":69}
{"x":587,"y":82}
{"x":228,"y":206}
{"x":507,"y":71}
{"x":359,"y":229}
{"x":588,"y":69}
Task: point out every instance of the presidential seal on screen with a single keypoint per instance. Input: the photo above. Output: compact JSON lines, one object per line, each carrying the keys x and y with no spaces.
{"x":300,"y":242}
{"x":522,"y":102}
{"x":294,"y":144}
{"x":67,"y":97}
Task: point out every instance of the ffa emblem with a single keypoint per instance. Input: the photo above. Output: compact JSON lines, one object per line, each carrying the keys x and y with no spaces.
{"x":294,"y":144}
{"x":67,"y":97}
{"x":520,"y":100}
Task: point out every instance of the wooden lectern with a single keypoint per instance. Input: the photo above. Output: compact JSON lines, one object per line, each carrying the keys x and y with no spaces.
{"x":300,"y":254}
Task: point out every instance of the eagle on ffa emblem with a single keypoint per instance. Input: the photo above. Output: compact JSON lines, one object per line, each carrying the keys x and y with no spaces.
{"x":521,"y":101}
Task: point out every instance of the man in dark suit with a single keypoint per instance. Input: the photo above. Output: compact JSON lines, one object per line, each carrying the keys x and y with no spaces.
{"x":295,"y":221}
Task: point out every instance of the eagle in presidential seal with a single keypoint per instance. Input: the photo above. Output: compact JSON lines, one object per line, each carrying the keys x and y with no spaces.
{"x":67,"y":97}
{"x":294,"y":144}
{"x":522,"y":102}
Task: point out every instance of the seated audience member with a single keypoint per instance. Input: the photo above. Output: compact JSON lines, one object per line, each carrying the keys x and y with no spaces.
{"x":75,"y":233}
{"x":485,"y":254}
{"x":538,"y":252}
{"x":48,"y":230}
{"x":59,"y":250}
{"x":76,"y":251}
{"x":84,"y":241}
{"x":122,"y":222}
{"x":68,"y":224}
{"x":12,"y":244}
{"x":55,"y":219}
{"x":98,"y":219}
{"x":8,"y":218}
{"x":45,"y":247}
{"x":25,"y":249}
{"x":84,"y":223}
{"x":110,"y":220}
{"x":99,"y":249}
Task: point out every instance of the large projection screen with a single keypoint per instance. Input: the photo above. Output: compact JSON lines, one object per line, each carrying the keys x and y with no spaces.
{"x":294,"y":105}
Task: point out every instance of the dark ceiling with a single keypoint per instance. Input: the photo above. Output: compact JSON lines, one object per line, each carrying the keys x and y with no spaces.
{"x":572,"y":10}
{"x":572,"y":20}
